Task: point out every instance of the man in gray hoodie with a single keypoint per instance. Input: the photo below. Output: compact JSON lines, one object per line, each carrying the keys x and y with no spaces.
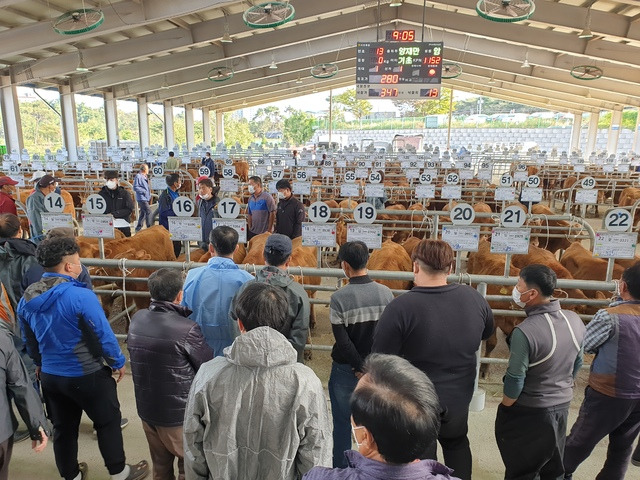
{"x":255,"y":412}
{"x":277,"y":255}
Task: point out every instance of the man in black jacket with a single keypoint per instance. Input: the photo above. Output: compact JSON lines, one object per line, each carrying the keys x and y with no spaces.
{"x":119,"y":201}
{"x":290,"y":213}
{"x":166,"y":350}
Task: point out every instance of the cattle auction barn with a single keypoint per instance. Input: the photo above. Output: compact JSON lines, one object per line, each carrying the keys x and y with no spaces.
{"x":560,"y":187}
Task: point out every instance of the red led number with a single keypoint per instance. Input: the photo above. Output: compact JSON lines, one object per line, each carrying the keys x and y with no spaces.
{"x":434,"y":93}
{"x":432,"y":60}
{"x":390,"y":78}
{"x":389,"y":92}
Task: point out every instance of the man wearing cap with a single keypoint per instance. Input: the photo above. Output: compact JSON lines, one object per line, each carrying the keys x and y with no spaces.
{"x":277,"y":255}
{"x":119,"y":201}
{"x":7,"y":202}
{"x":35,"y":205}
{"x":290,"y":213}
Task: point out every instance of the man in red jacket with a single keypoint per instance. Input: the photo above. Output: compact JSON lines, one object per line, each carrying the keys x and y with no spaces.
{"x":7,"y":202}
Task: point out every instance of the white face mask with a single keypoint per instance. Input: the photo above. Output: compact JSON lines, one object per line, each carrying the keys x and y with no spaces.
{"x":281,"y":196}
{"x":205,"y":196}
{"x":355,"y":438}
{"x":516,"y":296}
{"x":112,"y":184}
{"x":251,"y":189}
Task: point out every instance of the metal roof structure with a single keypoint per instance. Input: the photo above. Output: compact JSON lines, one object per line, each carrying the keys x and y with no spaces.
{"x":163,"y":50}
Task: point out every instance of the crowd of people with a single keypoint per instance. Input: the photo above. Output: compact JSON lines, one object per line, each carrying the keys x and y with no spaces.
{"x":218,"y":368}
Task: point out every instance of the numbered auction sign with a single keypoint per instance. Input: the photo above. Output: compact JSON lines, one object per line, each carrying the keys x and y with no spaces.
{"x":317,"y":235}
{"x":54,"y":203}
{"x":302,"y":188}
{"x":371,"y":235}
{"x":521,"y":167}
{"x":375,"y":177}
{"x":425,"y":191}
{"x":185,"y":229}
{"x":426,"y":178}
{"x":228,"y":171}
{"x":462,"y":214}
{"x":586,"y":196}
{"x":618,"y":220}
{"x":239,"y":226}
{"x":277,"y":174}
{"x":183,"y":206}
{"x":451,"y":192}
{"x":510,"y":240}
{"x":364,"y":213}
{"x":505,"y":194}
{"x":506,"y":180}
{"x":228,"y":162}
{"x":204,"y":171}
{"x":95,"y":204}
{"x":301,"y":175}
{"x":461,"y":238}
{"x":228,"y":208}
{"x":98,"y":226}
{"x":615,"y":245}
{"x":588,"y":183}
{"x":14,"y":169}
{"x":319,"y":212}
{"x":513,"y":216}
{"x":350,"y":176}
{"x":452,"y":178}
{"x":533,"y":181}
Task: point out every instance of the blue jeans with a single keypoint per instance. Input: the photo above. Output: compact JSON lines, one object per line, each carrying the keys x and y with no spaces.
{"x":342,"y":382}
{"x":144,"y":215}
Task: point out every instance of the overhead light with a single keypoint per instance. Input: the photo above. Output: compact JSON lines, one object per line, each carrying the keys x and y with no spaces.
{"x":81,"y":66}
{"x":244,"y":102}
{"x":299,"y":80}
{"x":273,"y":65}
{"x":492,"y":80}
{"x":396,"y":3}
{"x":586,"y":32}
{"x":164,"y":85}
{"x":226,"y":38}
{"x":526,"y":63}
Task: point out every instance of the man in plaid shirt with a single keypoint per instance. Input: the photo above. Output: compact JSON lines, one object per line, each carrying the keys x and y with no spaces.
{"x":612,"y":400}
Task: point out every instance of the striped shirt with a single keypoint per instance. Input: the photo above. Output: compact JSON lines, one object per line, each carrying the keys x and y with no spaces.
{"x":600,"y":329}
{"x":354,"y":313}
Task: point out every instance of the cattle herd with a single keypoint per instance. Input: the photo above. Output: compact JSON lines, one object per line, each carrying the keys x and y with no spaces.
{"x":562,"y":244}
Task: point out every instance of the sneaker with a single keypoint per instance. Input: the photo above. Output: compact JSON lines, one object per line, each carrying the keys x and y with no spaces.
{"x":84,"y":470}
{"x":635,"y":461}
{"x":123,"y":423}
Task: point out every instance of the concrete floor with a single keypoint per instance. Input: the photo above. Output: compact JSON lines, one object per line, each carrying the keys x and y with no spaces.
{"x":487,"y":464}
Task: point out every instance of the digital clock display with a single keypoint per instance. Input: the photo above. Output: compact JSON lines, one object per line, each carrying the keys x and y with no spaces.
{"x":416,"y":64}
{"x":400,"y":35}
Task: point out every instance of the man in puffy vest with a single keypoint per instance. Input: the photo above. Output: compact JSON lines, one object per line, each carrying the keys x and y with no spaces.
{"x":611,"y":403}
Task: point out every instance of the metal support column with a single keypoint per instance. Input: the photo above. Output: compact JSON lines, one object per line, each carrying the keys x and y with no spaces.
{"x":614,"y":131}
{"x":69,"y":121}
{"x":575,"y":132}
{"x":188,"y":120}
{"x":111,"y":118}
{"x":219,"y":127}
{"x":169,"y":138}
{"x":10,"y":115}
{"x":206,"y":127}
{"x":592,"y":134}
{"x":143,"y":122}
{"x":636,"y":134}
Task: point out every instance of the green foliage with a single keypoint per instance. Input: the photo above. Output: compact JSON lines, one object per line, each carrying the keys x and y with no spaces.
{"x":357,"y":108}
{"x":629,"y":118}
{"x":417,"y":108}
{"x":40,"y":126}
{"x":267,"y":119}
{"x":237,"y":131}
{"x":298,"y":126}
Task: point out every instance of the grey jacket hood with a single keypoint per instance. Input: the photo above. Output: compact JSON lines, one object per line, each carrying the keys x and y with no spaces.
{"x":274,"y":276}
{"x":261,"y":347}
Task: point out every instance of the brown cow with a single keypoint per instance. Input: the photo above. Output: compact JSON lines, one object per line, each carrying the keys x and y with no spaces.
{"x":410,"y":244}
{"x":553,"y":244}
{"x":483,"y":262}
{"x":242,"y":170}
{"x":545,"y":257}
{"x":391,"y":257}
{"x":584,"y":266}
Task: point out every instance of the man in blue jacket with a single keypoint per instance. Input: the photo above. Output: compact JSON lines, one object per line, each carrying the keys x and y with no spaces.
{"x":70,"y":340}
{"x":165,"y":205}
{"x":209,"y":290}
{"x":143,"y":196}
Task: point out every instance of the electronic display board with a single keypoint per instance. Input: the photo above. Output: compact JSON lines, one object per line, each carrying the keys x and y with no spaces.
{"x":400,"y":68}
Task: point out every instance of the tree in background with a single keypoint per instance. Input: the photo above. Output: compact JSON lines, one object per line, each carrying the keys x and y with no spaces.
{"x":266,"y":119}
{"x":237,"y":131}
{"x":421,"y":108}
{"x":298,"y":126}
{"x":358,"y":108}
{"x":40,"y":126}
